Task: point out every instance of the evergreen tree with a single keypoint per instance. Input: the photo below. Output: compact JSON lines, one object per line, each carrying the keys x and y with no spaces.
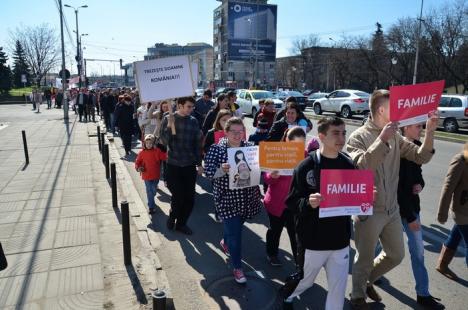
{"x":5,"y":73}
{"x":20,"y":66}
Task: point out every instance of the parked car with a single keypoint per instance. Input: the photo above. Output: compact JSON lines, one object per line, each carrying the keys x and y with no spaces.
{"x":344,"y":102}
{"x":312,"y":97}
{"x":199,"y":92}
{"x":301,"y":99}
{"x":307,"y":92}
{"x":223,"y":90}
{"x":248,"y":100}
{"x":453,"y":112}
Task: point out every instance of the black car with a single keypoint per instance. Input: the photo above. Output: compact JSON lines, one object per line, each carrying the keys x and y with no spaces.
{"x":301,"y":99}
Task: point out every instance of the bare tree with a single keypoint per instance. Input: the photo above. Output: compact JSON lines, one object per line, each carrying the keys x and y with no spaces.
{"x":40,"y":45}
{"x":299,"y":44}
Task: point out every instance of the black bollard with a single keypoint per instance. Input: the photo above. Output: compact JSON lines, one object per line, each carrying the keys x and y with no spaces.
{"x":103,"y":155}
{"x":127,"y":249}
{"x":113,"y":185}
{"x":103,"y":140}
{"x":25,"y":145}
{"x":99,"y":137}
{"x":159,"y":300}
{"x":106,"y":160}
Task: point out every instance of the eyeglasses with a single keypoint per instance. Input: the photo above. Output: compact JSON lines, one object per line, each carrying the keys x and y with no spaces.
{"x":236,"y":133}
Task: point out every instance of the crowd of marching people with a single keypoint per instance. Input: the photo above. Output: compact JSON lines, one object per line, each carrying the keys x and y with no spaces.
{"x":191,"y":138}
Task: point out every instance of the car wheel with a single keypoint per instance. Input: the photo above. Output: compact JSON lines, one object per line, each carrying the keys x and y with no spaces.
{"x":254,"y":111}
{"x":450,"y":125}
{"x":317,"y":109}
{"x":346,"y":112}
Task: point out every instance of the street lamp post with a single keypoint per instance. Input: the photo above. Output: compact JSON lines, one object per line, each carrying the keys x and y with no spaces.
{"x":394,"y":62}
{"x":65,"y":99}
{"x":78,"y":55}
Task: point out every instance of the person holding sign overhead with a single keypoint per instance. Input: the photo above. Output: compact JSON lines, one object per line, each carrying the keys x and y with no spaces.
{"x":274,"y":201}
{"x":181,"y":134}
{"x":377,"y":146}
{"x":321,"y":242}
{"x":233,"y":206}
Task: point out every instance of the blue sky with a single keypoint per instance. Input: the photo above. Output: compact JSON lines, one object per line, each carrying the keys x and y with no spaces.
{"x":124,"y":28}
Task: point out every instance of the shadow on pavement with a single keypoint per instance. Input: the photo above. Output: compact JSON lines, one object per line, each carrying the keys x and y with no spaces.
{"x":139,"y":291}
{"x":24,"y":289}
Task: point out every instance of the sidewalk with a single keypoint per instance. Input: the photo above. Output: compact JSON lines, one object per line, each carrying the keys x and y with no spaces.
{"x":61,"y":235}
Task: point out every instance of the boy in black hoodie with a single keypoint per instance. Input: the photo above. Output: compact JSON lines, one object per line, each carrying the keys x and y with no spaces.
{"x":322,"y":242}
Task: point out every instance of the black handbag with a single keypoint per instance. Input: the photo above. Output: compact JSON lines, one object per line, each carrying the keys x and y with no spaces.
{"x":3,"y":261}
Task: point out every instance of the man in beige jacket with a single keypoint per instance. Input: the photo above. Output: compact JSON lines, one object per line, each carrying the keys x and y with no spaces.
{"x":378,"y":146}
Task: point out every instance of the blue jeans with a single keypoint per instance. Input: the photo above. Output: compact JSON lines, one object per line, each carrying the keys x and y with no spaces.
{"x":416,"y":249}
{"x":233,"y":239}
{"x":151,"y":186}
{"x":458,"y":232}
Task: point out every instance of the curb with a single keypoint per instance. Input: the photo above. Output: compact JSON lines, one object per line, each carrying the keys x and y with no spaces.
{"x":149,"y":239}
{"x":438,"y":136}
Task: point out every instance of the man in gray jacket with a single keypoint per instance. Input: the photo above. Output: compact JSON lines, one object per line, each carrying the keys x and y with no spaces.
{"x":378,"y":146}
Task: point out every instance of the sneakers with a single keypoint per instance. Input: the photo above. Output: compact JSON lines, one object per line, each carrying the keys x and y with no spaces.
{"x":239,"y":276}
{"x":372,"y":293}
{"x":274,"y":261}
{"x":429,"y":302}
{"x":359,"y":304}
{"x":184,"y":229}
{"x":224,"y":247}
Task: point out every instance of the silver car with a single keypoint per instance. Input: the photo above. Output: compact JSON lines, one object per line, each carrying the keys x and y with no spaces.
{"x":345,"y":102}
{"x":453,"y":112}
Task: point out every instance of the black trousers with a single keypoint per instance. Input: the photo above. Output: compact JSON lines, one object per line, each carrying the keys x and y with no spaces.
{"x":274,"y":232}
{"x":107,"y":120}
{"x":181,"y":183}
{"x":81,"y":111}
{"x":126,"y":137}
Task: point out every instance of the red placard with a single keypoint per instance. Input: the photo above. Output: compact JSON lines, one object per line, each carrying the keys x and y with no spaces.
{"x":346,"y":192}
{"x":411,"y":104}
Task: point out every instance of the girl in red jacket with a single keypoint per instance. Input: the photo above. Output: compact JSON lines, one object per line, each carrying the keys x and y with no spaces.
{"x":148,"y":163}
{"x":274,"y":201}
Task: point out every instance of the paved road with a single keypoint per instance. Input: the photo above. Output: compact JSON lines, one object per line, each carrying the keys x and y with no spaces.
{"x":200,"y":278}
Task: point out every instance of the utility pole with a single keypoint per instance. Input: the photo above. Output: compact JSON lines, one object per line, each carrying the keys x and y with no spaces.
{"x":64,"y":79}
{"x":78,"y":54}
{"x":417,"y":45}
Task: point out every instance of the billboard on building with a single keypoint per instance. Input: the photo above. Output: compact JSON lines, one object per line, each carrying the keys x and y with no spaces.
{"x":251,"y":31}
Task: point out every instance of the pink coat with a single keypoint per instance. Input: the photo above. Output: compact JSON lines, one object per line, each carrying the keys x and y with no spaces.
{"x":276,"y":194}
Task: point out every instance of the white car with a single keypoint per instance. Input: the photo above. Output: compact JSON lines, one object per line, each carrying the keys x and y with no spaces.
{"x":248,"y":100}
{"x":345,"y":102}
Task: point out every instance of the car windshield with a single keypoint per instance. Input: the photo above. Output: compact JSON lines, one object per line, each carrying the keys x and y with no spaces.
{"x":262,"y":95}
{"x":361,"y":94}
{"x":295,"y":94}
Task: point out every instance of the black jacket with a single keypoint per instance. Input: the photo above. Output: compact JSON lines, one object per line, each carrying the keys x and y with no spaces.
{"x":314,"y":233}
{"x":209,"y":120}
{"x":410,"y":175}
{"x":124,"y":117}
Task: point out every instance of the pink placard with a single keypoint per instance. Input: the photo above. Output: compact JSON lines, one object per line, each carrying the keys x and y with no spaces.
{"x":411,"y":104}
{"x":346,"y":192}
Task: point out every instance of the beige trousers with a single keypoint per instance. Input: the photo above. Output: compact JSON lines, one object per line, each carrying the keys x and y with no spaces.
{"x":367,"y":231}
